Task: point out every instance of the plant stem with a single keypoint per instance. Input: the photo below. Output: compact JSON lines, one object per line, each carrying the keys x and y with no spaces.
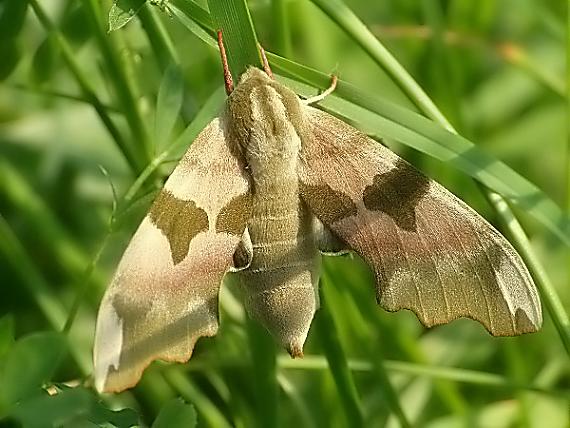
{"x":84,"y":285}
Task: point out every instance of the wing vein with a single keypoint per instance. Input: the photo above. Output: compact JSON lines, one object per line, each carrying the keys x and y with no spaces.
{"x":493,"y":267}
{"x":433,"y":260}
{"x":479,"y":280}
{"x":412,"y":274}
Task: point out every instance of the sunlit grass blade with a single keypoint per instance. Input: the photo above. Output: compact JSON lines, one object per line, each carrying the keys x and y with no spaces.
{"x":200,"y":19}
{"x":196,"y":13}
{"x":567,"y":93}
{"x":233,"y":18}
{"x":168,"y":103}
{"x":159,"y":39}
{"x":280,"y":15}
{"x":314,"y":362}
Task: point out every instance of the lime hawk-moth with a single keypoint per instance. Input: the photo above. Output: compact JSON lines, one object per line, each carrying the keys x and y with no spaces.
{"x":265,"y":188}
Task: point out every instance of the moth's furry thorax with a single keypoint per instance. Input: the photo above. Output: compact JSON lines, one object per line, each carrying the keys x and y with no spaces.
{"x":260,"y":107}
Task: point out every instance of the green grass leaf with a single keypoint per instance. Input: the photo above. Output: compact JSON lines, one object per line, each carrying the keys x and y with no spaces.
{"x":168,"y":104}
{"x":12,"y":17}
{"x":233,"y":18}
{"x":71,"y":407}
{"x":337,"y":361}
{"x":10,"y":53}
{"x":182,"y":10}
{"x":211,"y":415}
{"x":44,"y":60}
{"x":176,"y":413}
{"x":29,"y":364}
{"x":264,"y":379}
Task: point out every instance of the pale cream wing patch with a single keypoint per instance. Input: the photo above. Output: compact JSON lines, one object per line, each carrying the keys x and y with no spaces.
{"x":164,"y":295}
{"x":431,"y":253}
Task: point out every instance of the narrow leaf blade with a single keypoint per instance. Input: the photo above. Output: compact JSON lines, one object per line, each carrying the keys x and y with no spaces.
{"x":168,"y":104}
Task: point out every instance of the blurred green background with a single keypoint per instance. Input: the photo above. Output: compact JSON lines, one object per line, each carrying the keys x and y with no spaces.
{"x":92,"y":121}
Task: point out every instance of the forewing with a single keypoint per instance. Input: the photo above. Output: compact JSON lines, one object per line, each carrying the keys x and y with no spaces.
{"x":431,"y":253}
{"x":164,"y":295}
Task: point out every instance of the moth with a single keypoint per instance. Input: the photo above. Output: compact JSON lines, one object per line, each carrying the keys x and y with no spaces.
{"x":264,"y":190}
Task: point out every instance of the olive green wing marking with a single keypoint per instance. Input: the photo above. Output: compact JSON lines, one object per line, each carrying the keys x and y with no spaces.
{"x":164,"y":295}
{"x":431,"y":253}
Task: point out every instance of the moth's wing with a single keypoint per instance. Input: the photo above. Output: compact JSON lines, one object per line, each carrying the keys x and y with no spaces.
{"x":164,"y":295}
{"x":431,"y":253}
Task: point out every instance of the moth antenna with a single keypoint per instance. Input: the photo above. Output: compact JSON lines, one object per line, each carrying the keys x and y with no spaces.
{"x":266,"y":67}
{"x":229,"y":82}
{"x":325,"y":93}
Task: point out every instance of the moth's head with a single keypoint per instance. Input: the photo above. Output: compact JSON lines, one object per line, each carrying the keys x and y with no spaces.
{"x":255,"y":75}
{"x":253,"y":81}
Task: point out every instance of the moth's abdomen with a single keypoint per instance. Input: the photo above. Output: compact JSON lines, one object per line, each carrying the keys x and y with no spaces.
{"x":280,"y":284}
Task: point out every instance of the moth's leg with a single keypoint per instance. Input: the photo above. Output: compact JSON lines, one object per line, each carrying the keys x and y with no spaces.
{"x":325,"y":93}
{"x":243,"y":254}
{"x":229,"y":82}
{"x":266,"y":67}
{"x":326,"y":241}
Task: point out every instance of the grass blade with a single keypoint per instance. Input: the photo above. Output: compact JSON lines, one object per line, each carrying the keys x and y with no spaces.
{"x":207,"y":410}
{"x":263,"y":358}
{"x":168,"y":104}
{"x":337,"y":361}
{"x":233,"y":18}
